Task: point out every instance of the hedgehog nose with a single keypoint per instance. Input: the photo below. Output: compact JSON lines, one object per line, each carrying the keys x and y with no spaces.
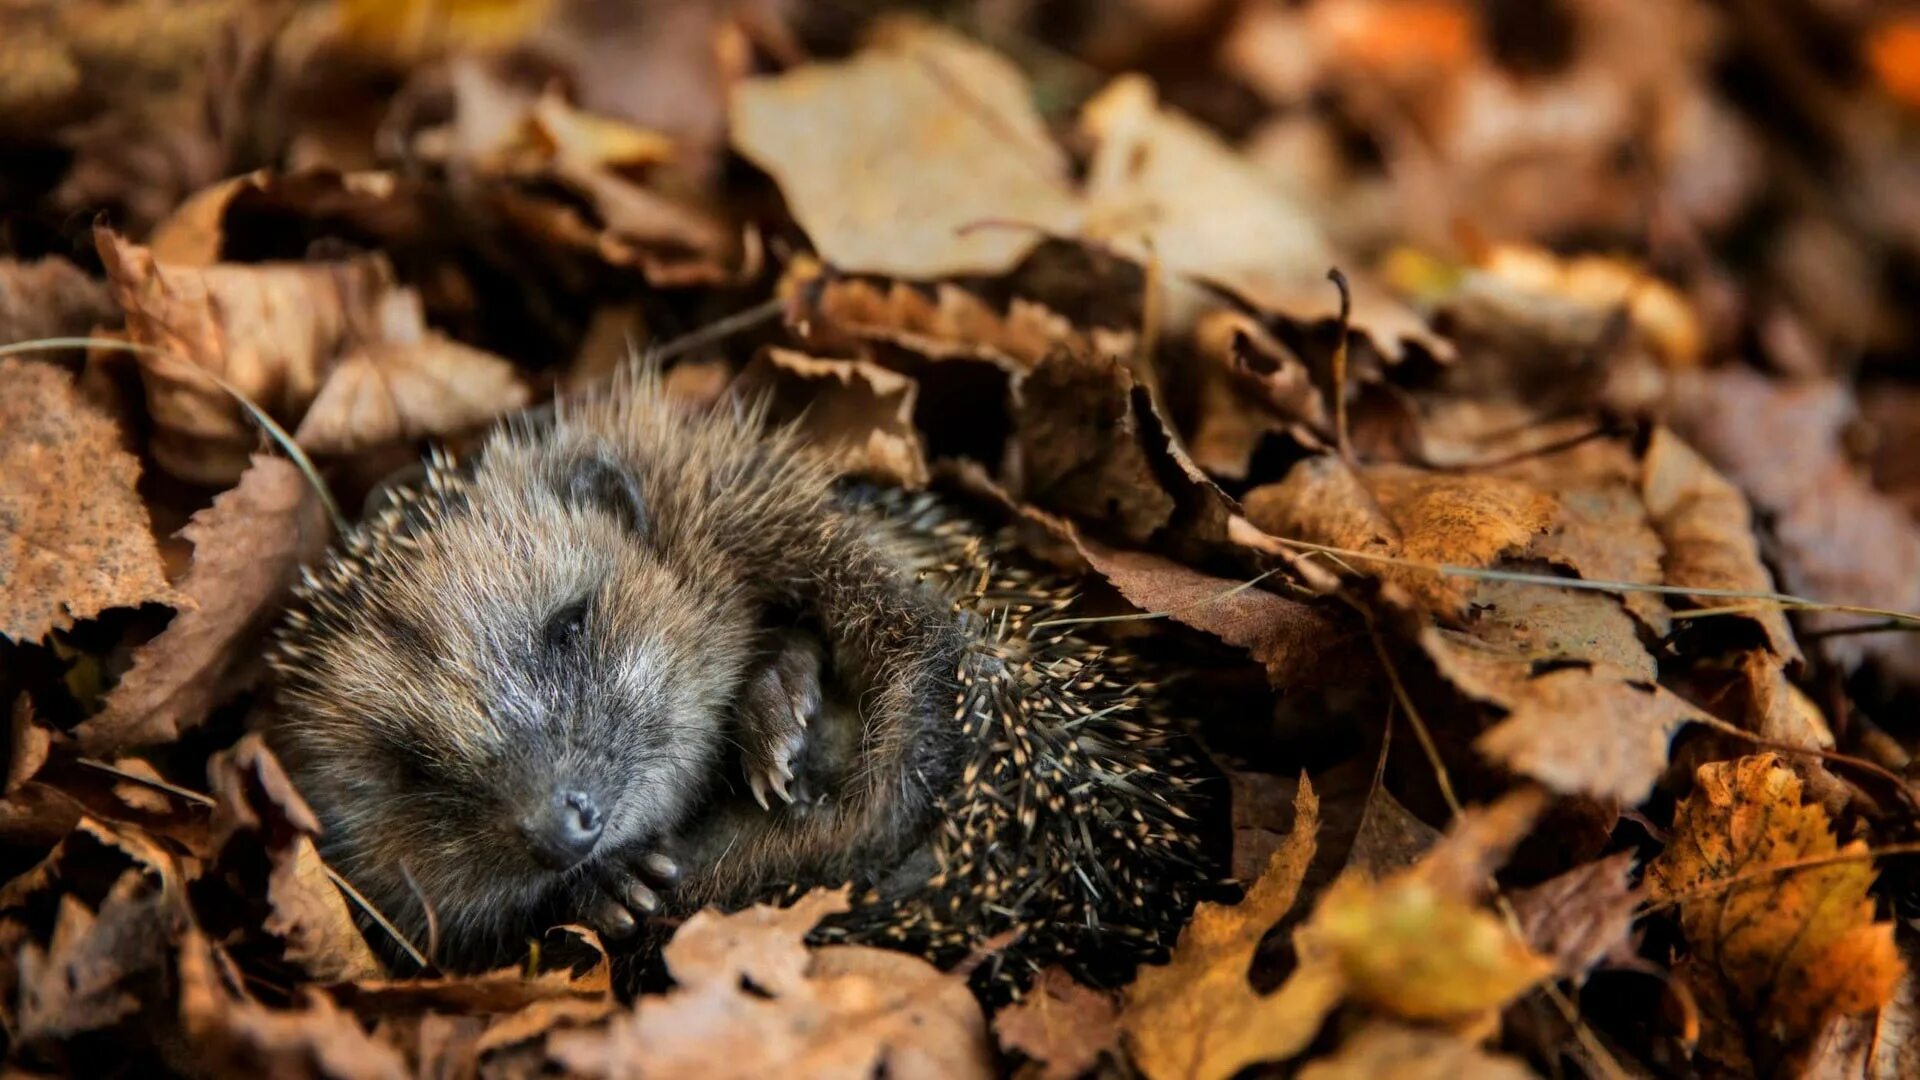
{"x":564,"y":831}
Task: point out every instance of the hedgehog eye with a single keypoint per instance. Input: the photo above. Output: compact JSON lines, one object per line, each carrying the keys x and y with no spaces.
{"x":565,"y":626}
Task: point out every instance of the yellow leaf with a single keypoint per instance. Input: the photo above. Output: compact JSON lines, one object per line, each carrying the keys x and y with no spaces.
{"x":1792,"y":950}
{"x":1408,"y":949}
{"x":1197,"y":1016}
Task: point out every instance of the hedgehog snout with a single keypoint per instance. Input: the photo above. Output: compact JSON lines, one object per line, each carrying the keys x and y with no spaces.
{"x":563,"y":829}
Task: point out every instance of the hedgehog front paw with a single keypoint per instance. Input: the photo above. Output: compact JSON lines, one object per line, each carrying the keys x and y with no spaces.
{"x":627,"y":889}
{"x":779,"y":703}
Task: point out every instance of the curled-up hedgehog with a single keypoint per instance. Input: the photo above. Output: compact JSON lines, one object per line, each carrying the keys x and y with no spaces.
{"x":633,"y":659}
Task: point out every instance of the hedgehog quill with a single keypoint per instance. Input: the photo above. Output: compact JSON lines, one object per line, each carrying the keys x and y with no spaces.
{"x":635,"y":659}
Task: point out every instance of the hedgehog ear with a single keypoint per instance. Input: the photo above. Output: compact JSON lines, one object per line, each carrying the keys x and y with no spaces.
{"x":602,"y":483}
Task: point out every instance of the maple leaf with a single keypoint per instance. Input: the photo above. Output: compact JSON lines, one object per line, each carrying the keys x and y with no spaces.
{"x":1793,"y":950}
{"x":74,"y":535}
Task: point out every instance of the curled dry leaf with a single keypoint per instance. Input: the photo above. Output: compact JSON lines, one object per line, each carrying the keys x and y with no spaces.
{"x":1383,"y":1050}
{"x":751,"y":999}
{"x":247,"y":549}
{"x":859,"y":414}
{"x":284,"y":334}
{"x":1064,"y":1026}
{"x":50,"y":298}
{"x":1197,"y":1017}
{"x":257,"y":806}
{"x":98,"y":967}
{"x":1079,"y":445}
{"x":1790,"y":950}
{"x":921,"y":157}
{"x":74,"y":535}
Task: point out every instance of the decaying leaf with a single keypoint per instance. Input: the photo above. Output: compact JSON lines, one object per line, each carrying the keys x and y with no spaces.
{"x":248,"y":547}
{"x":405,"y":388}
{"x":1198,"y":1017}
{"x":74,"y":536}
{"x":1790,"y":950}
{"x":1079,"y":445}
{"x":856,"y":412}
{"x":921,"y":157}
{"x":1062,"y":1025}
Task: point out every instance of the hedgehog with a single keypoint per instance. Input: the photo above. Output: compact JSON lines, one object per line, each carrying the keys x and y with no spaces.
{"x":631,"y":658}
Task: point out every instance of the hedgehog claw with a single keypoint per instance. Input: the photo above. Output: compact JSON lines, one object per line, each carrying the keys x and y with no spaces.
{"x":758,"y":784}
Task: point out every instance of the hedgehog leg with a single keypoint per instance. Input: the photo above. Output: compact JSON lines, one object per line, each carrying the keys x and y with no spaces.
{"x":774,"y":711}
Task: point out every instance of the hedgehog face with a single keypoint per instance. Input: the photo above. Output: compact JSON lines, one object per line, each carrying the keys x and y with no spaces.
{"x":491,"y":698}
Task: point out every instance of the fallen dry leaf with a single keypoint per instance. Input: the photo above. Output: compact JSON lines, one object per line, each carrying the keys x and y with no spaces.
{"x":1078,"y":445}
{"x":285,"y":334}
{"x":1707,"y":528}
{"x":258,"y":809}
{"x":751,"y":998}
{"x":921,"y":157}
{"x":74,"y":536}
{"x":1387,"y":1051}
{"x":1430,"y":518}
{"x":857,"y":413}
{"x":1064,"y":1026}
{"x":1290,"y":639}
{"x":1198,"y":1017}
{"x":248,"y":548}
{"x":1790,"y":950}
{"x":1166,"y":190}
{"x":230,"y":1033}
{"x":1582,"y":917}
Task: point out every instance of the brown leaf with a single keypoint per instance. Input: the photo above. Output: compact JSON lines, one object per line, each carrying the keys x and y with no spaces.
{"x":945,"y":323}
{"x":1578,"y":726}
{"x":281,"y":334}
{"x":1163,"y":188}
{"x":402,"y":390}
{"x":1079,"y":446}
{"x":1062,"y":1025}
{"x":574,"y":968}
{"x":751,"y":999}
{"x":256,"y":804}
{"x":1289,"y":638}
{"x":1197,"y":1016}
{"x":30,"y":743}
{"x":50,"y":297}
{"x":1431,"y":518}
{"x":1707,"y":528}
{"x":247,"y":549}
{"x":1582,"y":917}
{"x":1793,"y":950}
{"x":921,"y":157}
{"x":1383,"y":1050}
{"x":74,"y":535}
{"x":228,"y":1033}
{"x":93,"y":972}
{"x":859,"y":414}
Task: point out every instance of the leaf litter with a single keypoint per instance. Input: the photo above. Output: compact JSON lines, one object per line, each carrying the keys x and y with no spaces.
{"x":1592,"y":475}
